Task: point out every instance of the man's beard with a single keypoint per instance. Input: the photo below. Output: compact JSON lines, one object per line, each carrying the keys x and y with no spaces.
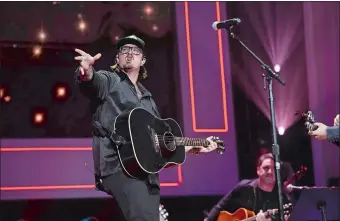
{"x":269,"y":179}
{"x":127,"y":66}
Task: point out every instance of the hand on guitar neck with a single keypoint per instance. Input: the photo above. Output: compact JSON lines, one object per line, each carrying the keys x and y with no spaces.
{"x":213,"y":143}
{"x":261,"y":216}
{"x":266,"y":216}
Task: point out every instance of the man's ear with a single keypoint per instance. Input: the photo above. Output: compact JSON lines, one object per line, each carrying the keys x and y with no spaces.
{"x":117,"y":59}
{"x":143,"y":61}
{"x":258,"y":171}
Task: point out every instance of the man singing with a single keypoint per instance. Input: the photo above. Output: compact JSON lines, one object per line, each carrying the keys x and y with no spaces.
{"x":258,"y":195}
{"x":111,"y":93}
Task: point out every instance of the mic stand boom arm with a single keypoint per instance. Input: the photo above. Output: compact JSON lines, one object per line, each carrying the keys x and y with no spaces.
{"x":269,"y":74}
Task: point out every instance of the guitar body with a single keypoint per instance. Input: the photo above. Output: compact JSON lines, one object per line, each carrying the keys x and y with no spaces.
{"x":149,"y":143}
{"x":238,"y":215}
{"x":243,"y":214}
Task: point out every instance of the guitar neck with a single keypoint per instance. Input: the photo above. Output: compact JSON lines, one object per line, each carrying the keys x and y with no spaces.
{"x":186,"y":141}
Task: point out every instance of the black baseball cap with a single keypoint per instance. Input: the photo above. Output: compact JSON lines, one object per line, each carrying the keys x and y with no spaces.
{"x":131,"y":39}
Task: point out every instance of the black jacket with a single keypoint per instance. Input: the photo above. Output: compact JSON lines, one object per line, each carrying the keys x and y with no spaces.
{"x":110,"y":94}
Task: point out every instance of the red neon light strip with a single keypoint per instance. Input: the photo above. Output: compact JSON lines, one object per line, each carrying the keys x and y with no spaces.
{"x":58,"y":187}
{"x":190,"y":72}
{"x":30,"y":149}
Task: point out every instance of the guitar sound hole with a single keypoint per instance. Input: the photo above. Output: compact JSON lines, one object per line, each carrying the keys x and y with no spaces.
{"x":169,"y":141}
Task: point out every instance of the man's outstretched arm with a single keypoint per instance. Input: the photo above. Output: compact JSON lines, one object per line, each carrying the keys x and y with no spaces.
{"x":93,"y":84}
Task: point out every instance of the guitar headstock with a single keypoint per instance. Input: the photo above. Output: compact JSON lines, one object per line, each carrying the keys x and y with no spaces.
{"x":220,"y":145}
{"x":287,"y":210}
{"x":309,"y":120}
{"x":296,"y":176}
{"x":163,"y":213}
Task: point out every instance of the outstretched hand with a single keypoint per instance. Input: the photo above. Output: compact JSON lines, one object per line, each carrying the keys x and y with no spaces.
{"x":86,"y":60}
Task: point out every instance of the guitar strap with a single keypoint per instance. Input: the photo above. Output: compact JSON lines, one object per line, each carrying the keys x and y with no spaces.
{"x":101,"y":131}
{"x":255,"y":198}
{"x":154,"y":107}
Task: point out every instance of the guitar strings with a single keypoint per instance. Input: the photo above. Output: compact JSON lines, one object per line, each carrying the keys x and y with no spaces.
{"x":180,"y":138}
{"x":171,"y":138}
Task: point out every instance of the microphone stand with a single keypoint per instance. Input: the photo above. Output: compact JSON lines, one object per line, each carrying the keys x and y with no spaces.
{"x":268,"y":76}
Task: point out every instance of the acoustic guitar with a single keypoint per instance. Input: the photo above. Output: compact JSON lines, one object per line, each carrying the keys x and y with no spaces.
{"x":146,"y":144}
{"x":243,"y":214}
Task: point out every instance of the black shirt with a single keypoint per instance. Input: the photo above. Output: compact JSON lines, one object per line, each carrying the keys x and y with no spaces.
{"x":110,"y":94}
{"x":266,"y":200}
{"x":246,"y":195}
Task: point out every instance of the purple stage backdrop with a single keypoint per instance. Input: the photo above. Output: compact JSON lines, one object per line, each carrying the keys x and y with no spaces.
{"x":55,"y":168}
{"x":322,"y":58}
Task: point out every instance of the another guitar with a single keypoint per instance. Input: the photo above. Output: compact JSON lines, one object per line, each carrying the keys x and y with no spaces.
{"x":243,"y":214}
{"x":309,"y":120}
{"x":163,"y":214}
{"x":147,"y":144}
{"x":310,"y":123}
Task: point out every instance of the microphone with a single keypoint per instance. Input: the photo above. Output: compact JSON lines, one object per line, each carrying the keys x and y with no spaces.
{"x":225,"y":24}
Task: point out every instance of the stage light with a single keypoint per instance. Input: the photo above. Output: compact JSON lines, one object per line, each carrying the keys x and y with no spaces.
{"x":154,"y":27}
{"x":82,"y":25}
{"x":38,"y":118}
{"x":61,"y":92}
{"x":42,"y":35}
{"x":277,"y":68}
{"x":7,"y":99}
{"x":2,"y":93}
{"x":148,"y":10}
{"x":36,"y":51}
{"x":281,"y":130}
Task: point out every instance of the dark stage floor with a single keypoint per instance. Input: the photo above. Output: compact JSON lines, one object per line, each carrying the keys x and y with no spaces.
{"x":179,"y":208}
